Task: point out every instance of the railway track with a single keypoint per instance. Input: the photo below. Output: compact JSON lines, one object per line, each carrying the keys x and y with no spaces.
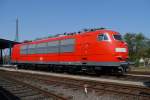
{"x":139,"y":72}
{"x":68,"y":87}
{"x":13,"y":89}
{"x":131,"y":76}
{"x":128,"y":77}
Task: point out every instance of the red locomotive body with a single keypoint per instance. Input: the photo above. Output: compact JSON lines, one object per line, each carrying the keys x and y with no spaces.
{"x":94,"y":50}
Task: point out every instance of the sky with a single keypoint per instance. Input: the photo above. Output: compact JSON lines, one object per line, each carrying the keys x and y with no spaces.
{"x":41,"y":18}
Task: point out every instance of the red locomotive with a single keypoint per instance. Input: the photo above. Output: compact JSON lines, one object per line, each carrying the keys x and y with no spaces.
{"x":95,"y":50}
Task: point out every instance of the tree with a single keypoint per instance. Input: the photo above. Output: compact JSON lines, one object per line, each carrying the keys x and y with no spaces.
{"x":130,"y":40}
{"x":139,"y":46}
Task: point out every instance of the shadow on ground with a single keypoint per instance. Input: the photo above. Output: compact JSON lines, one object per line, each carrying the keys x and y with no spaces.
{"x":147,"y":83}
{"x":6,"y":95}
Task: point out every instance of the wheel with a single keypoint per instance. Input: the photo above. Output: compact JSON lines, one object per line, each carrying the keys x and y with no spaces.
{"x":72,"y":70}
{"x":98,"y":73}
{"x":19,"y":66}
{"x":128,"y":69}
{"x":121,"y":70}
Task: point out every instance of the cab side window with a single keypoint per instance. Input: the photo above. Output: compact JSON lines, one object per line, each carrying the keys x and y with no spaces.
{"x":117,"y":37}
{"x":102,"y":37}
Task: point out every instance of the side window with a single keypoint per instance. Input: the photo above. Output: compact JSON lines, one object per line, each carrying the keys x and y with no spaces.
{"x":32,"y":49}
{"x":67,"y":45}
{"x":53,"y":47}
{"x":41,"y":48}
{"x":24,"y":49}
{"x":102,"y":37}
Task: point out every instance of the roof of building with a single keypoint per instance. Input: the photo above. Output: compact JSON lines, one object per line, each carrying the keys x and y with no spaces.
{"x":6,"y":43}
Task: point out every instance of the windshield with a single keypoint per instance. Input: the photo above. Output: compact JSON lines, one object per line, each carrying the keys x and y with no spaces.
{"x":102,"y":37}
{"x":117,"y":37}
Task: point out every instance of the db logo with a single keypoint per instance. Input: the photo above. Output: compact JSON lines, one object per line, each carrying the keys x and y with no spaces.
{"x":41,"y":58}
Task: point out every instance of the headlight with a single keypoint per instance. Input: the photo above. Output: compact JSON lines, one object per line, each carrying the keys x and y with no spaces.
{"x":120,"y":50}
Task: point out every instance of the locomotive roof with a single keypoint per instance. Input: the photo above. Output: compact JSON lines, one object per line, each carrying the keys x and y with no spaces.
{"x":69,"y":36}
{"x":7,"y":43}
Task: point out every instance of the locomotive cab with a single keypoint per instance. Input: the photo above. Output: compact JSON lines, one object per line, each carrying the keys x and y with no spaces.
{"x":114,"y":49}
{"x":121,"y":53}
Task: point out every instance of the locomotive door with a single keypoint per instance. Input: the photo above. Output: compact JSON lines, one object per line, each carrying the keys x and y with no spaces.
{"x":85,"y":48}
{"x":84,"y":52}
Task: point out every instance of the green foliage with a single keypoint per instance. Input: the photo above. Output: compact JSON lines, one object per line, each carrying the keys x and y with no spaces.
{"x":139,"y":46}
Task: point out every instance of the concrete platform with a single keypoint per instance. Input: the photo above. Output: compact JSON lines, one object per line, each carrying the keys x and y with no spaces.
{"x":79,"y":77}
